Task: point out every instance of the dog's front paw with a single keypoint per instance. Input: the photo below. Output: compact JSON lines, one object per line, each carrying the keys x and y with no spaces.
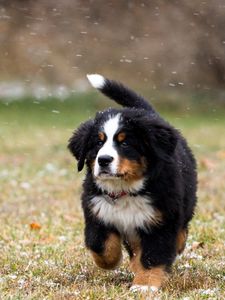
{"x":143,"y":288}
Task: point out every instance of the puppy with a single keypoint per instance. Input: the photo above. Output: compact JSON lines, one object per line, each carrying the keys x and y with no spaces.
{"x":140,"y":186}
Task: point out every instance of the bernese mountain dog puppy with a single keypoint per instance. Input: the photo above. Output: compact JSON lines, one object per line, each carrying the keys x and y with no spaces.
{"x":140,"y":186}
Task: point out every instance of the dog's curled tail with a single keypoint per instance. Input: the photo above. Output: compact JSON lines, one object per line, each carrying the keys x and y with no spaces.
{"x":118,"y":92}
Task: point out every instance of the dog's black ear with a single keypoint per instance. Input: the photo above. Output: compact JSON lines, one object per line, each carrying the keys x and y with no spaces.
{"x":158,"y":137}
{"x":78,"y":143}
{"x":163,"y":140}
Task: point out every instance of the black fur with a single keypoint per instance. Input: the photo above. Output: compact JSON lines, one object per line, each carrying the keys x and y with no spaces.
{"x":171,"y":178}
{"x":124,"y":96}
{"x":78,"y":143}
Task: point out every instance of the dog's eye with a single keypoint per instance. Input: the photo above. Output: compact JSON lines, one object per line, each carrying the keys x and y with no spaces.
{"x":100,"y":143}
{"x":124,"y":144}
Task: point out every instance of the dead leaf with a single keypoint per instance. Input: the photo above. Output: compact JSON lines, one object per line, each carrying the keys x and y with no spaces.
{"x":35,"y":226}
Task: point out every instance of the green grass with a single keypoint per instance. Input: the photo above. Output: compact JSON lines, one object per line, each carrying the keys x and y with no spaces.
{"x":39,"y":184}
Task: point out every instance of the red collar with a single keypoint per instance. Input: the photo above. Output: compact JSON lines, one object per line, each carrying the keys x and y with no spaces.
{"x":115,"y":196}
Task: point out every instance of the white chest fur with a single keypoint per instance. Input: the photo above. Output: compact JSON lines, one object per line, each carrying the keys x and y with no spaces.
{"x":126,"y":214}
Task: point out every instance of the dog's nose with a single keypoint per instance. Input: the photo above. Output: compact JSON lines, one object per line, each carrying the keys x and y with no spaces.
{"x":104,"y":160}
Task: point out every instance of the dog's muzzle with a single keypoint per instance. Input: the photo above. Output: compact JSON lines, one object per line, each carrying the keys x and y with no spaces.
{"x":104,"y":166}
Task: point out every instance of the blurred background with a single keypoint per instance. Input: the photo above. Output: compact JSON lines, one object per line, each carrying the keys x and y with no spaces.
{"x":166,"y":48}
{"x":172,"y":52}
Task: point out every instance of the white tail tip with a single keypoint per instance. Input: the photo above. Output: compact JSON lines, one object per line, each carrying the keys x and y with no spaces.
{"x":96,"y":80}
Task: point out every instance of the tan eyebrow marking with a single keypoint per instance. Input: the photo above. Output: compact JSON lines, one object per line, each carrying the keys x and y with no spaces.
{"x":121,"y":136}
{"x":101,"y":136}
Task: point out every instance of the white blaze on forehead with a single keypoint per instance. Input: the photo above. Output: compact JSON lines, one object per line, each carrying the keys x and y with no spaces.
{"x":109,"y":128}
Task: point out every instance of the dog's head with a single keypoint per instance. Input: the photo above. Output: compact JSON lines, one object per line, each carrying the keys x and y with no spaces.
{"x":121,"y":146}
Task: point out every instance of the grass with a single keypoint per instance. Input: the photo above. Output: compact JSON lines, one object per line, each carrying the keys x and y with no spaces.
{"x":42,"y":255}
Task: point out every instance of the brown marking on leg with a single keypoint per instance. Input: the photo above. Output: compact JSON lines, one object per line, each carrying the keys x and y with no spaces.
{"x":153,"y":277}
{"x":112,"y":254}
{"x":131,"y":170}
{"x":181,"y":240}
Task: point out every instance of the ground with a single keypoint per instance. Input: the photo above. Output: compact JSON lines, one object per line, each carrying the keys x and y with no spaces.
{"x":42,"y":253}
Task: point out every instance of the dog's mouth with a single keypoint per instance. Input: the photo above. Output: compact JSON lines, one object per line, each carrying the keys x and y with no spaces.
{"x":106,"y":175}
